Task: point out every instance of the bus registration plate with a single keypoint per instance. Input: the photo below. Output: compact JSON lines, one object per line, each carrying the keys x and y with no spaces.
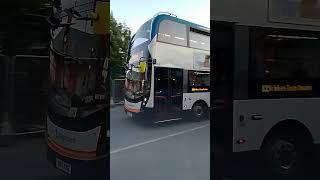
{"x":65,"y":167}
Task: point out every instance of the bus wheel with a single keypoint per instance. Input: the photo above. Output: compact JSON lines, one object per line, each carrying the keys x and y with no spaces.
{"x":199,"y":110}
{"x":285,"y":155}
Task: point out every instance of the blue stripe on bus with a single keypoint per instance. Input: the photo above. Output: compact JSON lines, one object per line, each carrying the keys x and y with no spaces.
{"x":156,"y":22}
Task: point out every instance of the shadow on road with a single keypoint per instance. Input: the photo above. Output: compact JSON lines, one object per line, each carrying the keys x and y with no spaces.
{"x":148,"y":122}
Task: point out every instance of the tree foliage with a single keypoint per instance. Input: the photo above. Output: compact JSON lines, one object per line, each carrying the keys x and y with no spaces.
{"x":120,"y":37}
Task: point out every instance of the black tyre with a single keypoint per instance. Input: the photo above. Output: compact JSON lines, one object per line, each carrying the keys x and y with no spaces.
{"x":199,"y":110}
{"x":285,"y":155}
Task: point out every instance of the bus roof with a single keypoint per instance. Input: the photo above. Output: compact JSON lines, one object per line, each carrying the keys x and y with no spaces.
{"x":158,"y":18}
{"x":293,"y":14}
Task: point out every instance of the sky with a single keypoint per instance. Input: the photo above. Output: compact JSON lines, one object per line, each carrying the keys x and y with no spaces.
{"x":135,"y":12}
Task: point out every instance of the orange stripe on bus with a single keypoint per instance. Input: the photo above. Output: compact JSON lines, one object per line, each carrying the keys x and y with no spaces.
{"x":80,"y":155}
{"x":131,"y":110}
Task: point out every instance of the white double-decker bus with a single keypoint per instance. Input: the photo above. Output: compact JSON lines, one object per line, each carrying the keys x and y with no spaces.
{"x":77,"y":116}
{"x":266,"y":69}
{"x":169,"y":69}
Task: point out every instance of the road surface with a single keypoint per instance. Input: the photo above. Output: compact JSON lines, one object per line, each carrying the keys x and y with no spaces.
{"x":177,"y":150}
{"x":26,"y":159}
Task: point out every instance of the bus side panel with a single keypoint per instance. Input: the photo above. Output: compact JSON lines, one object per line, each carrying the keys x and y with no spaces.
{"x":73,"y":140}
{"x":190,"y":98}
{"x":266,"y":13}
{"x":256,"y":111}
{"x":175,"y":56}
{"x":272,"y":111}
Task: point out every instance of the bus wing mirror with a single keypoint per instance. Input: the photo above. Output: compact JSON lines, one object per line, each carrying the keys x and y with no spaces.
{"x":129,"y":67}
{"x":148,"y":60}
{"x":55,"y":23}
{"x":143,"y":59}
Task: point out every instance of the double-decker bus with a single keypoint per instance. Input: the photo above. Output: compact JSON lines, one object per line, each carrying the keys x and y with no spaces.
{"x":78,"y":109}
{"x":266,"y":74}
{"x":169,"y":69}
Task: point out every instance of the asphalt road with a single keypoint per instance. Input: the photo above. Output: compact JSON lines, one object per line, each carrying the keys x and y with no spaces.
{"x":26,"y":159}
{"x":177,"y":150}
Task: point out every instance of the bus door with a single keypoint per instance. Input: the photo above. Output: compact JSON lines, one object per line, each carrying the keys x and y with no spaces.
{"x":168,"y":90}
{"x":222,"y":45}
{"x":175,"y":89}
{"x":161,"y":89}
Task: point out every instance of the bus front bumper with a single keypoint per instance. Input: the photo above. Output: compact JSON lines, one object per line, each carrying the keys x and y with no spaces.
{"x":87,"y":169}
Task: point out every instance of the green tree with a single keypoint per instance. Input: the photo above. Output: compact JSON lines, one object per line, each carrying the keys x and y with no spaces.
{"x":120,"y":37}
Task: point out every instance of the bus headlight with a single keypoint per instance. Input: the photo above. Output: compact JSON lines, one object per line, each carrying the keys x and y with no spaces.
{"x":144,"y":101}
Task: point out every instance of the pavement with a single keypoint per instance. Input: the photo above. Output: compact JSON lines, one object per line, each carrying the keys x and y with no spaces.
{"x":26,"y":159}
{"x":177,"y":150}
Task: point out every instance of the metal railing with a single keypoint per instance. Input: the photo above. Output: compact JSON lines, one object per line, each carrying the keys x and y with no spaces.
{"x":117,"y":90}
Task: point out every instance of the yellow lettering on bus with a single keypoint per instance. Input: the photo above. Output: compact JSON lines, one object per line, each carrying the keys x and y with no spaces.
{"x":284,"y":88}
{"x":265,"y":88}
{"x":199,"y":89}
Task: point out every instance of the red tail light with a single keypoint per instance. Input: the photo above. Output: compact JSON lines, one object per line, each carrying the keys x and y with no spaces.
{"x":241,"y":141}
